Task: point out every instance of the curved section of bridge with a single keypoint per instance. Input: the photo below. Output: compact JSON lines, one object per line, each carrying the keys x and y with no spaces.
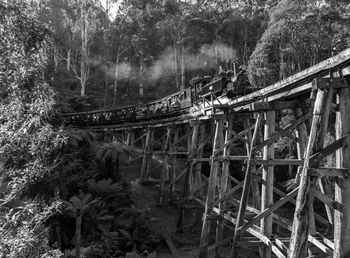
{"x":248,"y":208}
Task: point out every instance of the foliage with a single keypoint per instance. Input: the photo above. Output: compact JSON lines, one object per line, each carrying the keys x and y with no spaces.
{"x":131,"y":234}
{"x":156,"y":44}
{"x":29,"y":145}
{"x":104,"y":187}
{"x":79,"y":203}
{"x":300,"y":34}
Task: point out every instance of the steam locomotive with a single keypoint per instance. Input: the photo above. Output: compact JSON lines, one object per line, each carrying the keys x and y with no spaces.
{"x":233,"y":85}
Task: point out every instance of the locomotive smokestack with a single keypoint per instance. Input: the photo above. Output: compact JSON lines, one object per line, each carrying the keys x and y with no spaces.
{"x":234,"y":68}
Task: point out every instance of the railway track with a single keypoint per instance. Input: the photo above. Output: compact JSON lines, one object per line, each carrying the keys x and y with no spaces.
{"x":335,"y":67}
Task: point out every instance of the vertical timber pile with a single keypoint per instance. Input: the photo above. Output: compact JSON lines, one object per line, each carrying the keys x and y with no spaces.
{"x":198,"y":171}
{"x":267,"y":176}
{"x":173,"y":158}
{"x":192,"y":142}
{"x":255,"y":183}
{"x":247,"y":178}
{"x":300,"y":231}
{"x":303,"y":223}
{"x":225,"y":172}
{"x":301,"y":134}
{"x":342,"y":186}
{"x":146,"y":154}
{"x":165,"y":166}
{"x":212,"y":183}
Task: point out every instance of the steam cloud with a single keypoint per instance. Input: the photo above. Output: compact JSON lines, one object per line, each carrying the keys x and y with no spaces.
{"x":164,"y":66}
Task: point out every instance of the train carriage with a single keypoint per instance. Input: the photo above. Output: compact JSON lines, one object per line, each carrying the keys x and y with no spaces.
{"x":202,"y":87}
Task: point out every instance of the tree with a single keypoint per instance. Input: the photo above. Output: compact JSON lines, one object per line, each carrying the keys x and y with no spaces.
{"x":76,"y":206}
{"x":118,"y":46}
{"x":29,"y":145}
{"x":300,"y":34}
{"x":88,"y":24}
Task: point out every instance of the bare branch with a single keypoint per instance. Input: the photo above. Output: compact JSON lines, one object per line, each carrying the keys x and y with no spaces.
{"x":71,"y":66}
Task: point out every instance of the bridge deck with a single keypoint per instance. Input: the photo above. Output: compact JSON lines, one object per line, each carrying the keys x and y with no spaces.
{"x":286,"y":89}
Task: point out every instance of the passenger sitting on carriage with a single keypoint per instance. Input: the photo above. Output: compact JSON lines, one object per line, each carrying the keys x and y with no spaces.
{"x":177,"y":100}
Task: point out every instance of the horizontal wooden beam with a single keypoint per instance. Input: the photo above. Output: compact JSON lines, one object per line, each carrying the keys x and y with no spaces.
{"x":169,"y":152}
{"x":276,"y":105}
{"x":336,"y":82}
{"x":260,"y":161}
{"x":329,"y":172}
{"x":280,"y":162}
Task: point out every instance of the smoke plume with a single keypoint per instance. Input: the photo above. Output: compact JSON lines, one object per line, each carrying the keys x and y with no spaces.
{"x":208,"y":57}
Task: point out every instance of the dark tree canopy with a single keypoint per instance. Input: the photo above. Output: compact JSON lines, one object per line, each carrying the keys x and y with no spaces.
{"x":300,"y":34}
{"x":28,"y":144}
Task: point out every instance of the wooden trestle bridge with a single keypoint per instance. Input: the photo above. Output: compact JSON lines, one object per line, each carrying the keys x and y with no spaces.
{"x":242,"y":205}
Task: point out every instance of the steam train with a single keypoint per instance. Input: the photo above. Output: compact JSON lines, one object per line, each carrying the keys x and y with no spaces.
{"x":233,"y":85}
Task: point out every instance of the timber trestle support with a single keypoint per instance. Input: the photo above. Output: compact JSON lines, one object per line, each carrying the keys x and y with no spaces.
{"x":226,"y":167}
{"x":266,"y":173}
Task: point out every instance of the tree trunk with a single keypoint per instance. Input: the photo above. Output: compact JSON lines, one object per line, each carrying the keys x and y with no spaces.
{"x":116,"y":78}
{"x":182,"y":67}
{"x":176,"y":68}
{"x":69,"y":57}
{"x":55,"y":55}
{"x":342,"y":185}
{"x":59,"y":236}
{"x":141,"y":78}
{"x":216,"y":57}
{"x":78,"y":234}
{"x":106,"y":87}
{"x":84,"y":68}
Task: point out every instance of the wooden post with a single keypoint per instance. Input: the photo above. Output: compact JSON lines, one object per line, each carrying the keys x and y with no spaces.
{"x":224,"y":181}
{"x":255,"y":184}
{"x":198,"y":171}
{"x":149,"y":156}
{"x":301,"y":133}
{"x":165,"y":170}
{"x":129,"y":140}
{"x":300,"y":229}
{"x":342,"y":185}
{"x":325,"y":118}
{"x":146,"y":155}
{"x":247,"y":178}
{"x":189,"y":150}
{"x":212,"y":183}
{"x":267,"y":176}
{"x":173,"y":148}
{"x":192,"y":149}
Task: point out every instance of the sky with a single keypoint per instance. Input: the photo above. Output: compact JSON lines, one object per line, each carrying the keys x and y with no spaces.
{"x":114,"y":8}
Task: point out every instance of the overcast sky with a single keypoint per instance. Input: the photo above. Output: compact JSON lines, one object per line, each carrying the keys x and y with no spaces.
{"x":114,"y":8}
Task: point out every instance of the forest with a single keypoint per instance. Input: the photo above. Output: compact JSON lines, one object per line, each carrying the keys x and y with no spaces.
{"x":60,"y":188}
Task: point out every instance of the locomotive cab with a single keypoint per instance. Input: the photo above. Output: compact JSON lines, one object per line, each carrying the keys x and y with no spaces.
{"x":239,"y":85}
{"x":198,"y":83}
